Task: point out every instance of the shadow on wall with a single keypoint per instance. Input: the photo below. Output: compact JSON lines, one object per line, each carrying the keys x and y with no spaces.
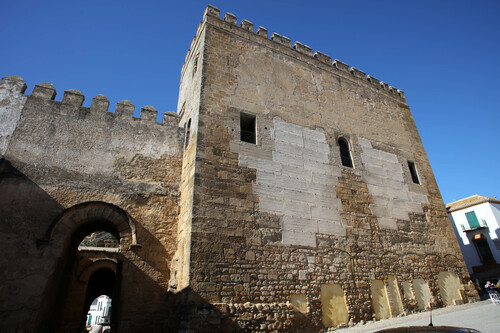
{"x":25,"y":213}
{"x":480,"y":248}
{"x":140,"y":301}
{"x":24,"y":206}
{"x":151,"y":250}
{"x":37,"y":276}
{"x":37,"y":279}
{"x":192,"y":313}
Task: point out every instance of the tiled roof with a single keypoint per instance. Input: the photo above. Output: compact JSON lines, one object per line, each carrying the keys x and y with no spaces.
{"x":470,"y":201}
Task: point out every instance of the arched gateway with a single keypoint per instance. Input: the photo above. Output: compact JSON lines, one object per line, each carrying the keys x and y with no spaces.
{"x":82,"y":275}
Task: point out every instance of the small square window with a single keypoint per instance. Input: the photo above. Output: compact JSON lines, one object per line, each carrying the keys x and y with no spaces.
{"x":413,"y":172}
{"x":247,"y":128}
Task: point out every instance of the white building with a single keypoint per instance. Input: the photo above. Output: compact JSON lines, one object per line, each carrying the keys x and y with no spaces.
{"x":476,"y":221}
{"x":100,"y":311}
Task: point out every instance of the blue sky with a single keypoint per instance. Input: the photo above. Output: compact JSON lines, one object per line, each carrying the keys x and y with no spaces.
{"x":443,"y":54}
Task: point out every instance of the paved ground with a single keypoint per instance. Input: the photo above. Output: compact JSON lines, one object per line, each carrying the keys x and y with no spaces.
{"x":483,"y":316}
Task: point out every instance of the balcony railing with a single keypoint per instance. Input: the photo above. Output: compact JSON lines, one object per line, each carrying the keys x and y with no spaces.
{"x":482,"y":224}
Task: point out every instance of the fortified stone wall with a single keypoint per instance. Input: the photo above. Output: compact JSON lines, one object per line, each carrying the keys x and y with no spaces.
{"x":282,"y":220}
{"x":288,"y":193}
{"x":59,"y":157}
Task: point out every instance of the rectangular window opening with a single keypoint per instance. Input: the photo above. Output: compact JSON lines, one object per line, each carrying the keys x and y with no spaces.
{"x":247,"y":128}
{"x":413,"y":172}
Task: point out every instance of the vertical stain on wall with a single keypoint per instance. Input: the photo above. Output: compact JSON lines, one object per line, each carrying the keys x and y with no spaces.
{"x":333,"y":305}
{"x":380,"y":302}
{"x":449,"y":288}
{"x":422,"y":293}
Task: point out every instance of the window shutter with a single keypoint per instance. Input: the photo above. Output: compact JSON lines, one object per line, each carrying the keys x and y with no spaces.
{"x":473,"y":222}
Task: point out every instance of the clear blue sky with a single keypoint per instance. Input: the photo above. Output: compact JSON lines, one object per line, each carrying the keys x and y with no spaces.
{"x":444,"y":54}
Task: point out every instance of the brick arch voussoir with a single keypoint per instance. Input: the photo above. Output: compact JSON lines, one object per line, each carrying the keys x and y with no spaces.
{"x":87,"y":272}
{"x":112,"y":217}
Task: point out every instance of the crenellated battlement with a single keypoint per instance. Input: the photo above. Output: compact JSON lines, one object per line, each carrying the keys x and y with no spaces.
{"x":73,"y":97}
{"x":246,"y":25}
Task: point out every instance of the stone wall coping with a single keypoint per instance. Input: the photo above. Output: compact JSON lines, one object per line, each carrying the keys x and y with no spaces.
{"x":100,"y":103}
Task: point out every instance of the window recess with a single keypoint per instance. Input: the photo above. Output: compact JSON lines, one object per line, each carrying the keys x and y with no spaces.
{"x":345,"y":153}
{"x":248,"y":128}
{"x":413,"y":172}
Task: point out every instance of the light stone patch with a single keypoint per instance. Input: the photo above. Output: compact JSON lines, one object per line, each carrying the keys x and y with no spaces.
{"x":422,"y":293}
{"x":392,"y":199}
{"x":298,"y":184}
{"x":449,"y":288}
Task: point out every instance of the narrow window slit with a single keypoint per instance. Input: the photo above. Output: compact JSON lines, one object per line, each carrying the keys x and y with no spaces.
{"x":413,"y":172}
{"x":345,"y":154}
{"x":188,"y":133}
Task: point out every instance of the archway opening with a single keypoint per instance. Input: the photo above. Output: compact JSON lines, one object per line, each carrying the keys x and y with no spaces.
{"x":99,"y":239}
{"x":86,"y":237}
{"x":98,"y":299}
{"x":92,"y":276}
{"x":98,"y":245}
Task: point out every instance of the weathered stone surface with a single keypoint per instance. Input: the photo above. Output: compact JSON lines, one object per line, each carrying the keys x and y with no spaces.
{"x":12,"y":100}
{"x":298,"y":184}
{"x":283,"y":214}
{"x":59,"y":156}
{"x":217,"y":233}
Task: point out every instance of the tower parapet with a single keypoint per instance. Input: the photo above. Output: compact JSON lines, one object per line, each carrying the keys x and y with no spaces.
{"x":14,"y":83}
{"x":44,"y":90}
{"x":283,"y":40}
{"x":299,"y":47}
{"x":229,"y":18}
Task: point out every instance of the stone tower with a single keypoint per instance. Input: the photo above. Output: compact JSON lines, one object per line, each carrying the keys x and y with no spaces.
{"x":305,"y":185}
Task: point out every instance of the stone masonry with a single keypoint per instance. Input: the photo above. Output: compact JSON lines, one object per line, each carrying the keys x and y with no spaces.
{"x":282,"y":221}
{"x":288,"y":193}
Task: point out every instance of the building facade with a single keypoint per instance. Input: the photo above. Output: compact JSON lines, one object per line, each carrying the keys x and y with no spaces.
{"x":288,"y":193}
{"x":476,"y":222}
{"x":99,"y":311}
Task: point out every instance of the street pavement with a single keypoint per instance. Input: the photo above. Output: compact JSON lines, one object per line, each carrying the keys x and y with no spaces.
{"x":483,"y":316}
